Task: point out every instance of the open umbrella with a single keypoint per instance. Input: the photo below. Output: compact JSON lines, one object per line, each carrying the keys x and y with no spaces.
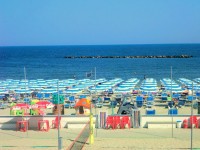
{"x":83,"y":102}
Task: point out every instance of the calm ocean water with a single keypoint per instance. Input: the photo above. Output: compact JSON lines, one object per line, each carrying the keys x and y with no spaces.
{"x":48,"y":62}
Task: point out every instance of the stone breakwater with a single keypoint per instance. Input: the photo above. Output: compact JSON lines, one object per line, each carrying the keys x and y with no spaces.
{"x":163,"y":56}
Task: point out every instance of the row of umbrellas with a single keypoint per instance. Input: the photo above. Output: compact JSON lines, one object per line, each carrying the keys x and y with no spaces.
{"x":118,"y":85}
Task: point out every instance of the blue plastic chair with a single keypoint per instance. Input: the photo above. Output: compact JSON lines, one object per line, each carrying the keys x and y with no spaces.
{"x":198,"y":94}
{"x":113,"y":104}
{"x":150,"y":112}
{"x":39,"y":95}
{"x":181,"y":103}
{"x":190,"y":98}
{"x":47,"y":95}
{"x":82,"y":96}
{"x":107,"y":99}
{"x":72,"y":98}
{"x":177,"y":96}
{"x":27,"y":100}
{"x":139,"y":101}
{"x":164,"y":96}
{"x":139,"y":98}
{"x":139,"y":104}
{"x":110,"y":91}
{"x":150,"y":98}
{"x":173,"y":112}
{"x":171,"y":104}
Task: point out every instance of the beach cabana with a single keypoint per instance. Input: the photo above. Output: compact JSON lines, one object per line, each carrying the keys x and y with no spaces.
{"x":82,"y":106}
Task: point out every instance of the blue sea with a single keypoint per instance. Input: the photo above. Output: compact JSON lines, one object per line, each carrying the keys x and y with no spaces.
{"x":48,"y":62}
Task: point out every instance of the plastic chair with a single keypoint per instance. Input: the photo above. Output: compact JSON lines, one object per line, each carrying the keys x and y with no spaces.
{"x":56,"y":122}
{"x":139,"y":101}
{"x":190,"y":98}
{"x":47,"y":96}
{"x":116,"y":122}
{"x":110,"y":122}
{"x":193,"y":120}
{"x":173,"y":111}
{"x":171,"y":104}
{"x":164,"y":96}
{"x":150,"y":112}
{"x":181,"y":103}
{"x":71,"y":98}
{"x":27,"y":100}
{"x":82,"y":96}
{"x":125,"y":121}
{"x":113,"y":104}
{"x":39,"y":95}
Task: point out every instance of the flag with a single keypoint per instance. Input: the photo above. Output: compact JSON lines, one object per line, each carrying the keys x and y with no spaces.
{"x":88,"y":74}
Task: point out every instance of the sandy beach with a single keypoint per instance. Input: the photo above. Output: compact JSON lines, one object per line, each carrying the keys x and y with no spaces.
{"x":131,"y":139}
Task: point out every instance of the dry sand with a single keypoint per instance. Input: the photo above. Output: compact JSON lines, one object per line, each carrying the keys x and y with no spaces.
{"x":129,"y":139}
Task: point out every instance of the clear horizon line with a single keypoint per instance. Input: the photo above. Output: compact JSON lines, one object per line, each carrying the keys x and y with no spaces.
{"x":96,"y":44}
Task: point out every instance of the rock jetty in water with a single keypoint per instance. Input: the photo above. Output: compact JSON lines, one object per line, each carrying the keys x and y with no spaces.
{"x":163,"y":56}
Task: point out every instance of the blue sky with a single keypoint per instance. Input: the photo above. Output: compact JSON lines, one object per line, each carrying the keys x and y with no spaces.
{"x":93,"y":22}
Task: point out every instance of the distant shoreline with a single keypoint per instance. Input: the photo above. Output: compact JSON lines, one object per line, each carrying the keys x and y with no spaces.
{"x":163,"y":56}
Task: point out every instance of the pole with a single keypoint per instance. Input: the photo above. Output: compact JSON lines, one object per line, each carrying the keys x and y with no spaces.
{"x":91,"y":125}
{"x":25,"y":97}
{"x":95,"y":77}
{"x":191,"y":123}
{"x":59,"y":138}
{"x":91,"y":116}
{"x":172,"y":110}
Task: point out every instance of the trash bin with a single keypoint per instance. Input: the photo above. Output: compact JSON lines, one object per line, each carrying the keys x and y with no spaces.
{"x":178,"y":123}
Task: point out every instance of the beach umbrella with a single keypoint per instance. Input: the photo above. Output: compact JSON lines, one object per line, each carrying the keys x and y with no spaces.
{"x":42,"y":104}
{"x":2,"y":91}
{"x":49,"y":90}
{"x":23,"y":91}
{"x":83,"y":102}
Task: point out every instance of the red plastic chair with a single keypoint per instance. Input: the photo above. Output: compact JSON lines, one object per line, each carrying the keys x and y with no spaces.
{"x":125,"y":121}
{"x":117,"y":122}
{"x":56,"y":122}
{"x":110,"y":122}
{"x":193,"y":120}
{"x":185,"y":123}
